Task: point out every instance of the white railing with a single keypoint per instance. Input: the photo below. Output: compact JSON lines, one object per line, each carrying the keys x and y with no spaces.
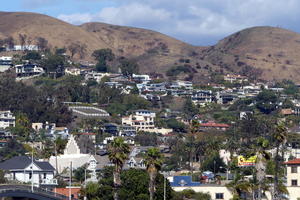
{"x":49,"y":182}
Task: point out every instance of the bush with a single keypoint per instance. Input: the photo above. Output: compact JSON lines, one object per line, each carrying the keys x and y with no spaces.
{"x":174,"y":71}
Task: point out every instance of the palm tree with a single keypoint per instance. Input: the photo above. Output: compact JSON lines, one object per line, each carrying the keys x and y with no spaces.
{"x":153,"y":162}
{"x":238,"y":185}
{"x":260,"y":165}
{"x":118,"y":152}
{"x":280,"y":136}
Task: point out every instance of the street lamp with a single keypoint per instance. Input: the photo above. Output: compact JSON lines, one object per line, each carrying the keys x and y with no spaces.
{"x":165,"y":174}
{"x":32,"y":169}
{"x":85,"y":184}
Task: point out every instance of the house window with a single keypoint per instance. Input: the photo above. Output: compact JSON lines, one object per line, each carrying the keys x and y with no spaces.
{"x":219,"y":195}
{"x":294,"y":169}
{"x":30,"y":175}
{"x":294,"y":182}
{"x":45,"y":175}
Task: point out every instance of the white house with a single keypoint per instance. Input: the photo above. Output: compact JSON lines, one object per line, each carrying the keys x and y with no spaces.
{"x":25,"y":170}
{"x":202,"y":97}
{"x":217,"y":192}
{"x":72,"y":154}
{"x":141,"y":120}
{"x":5,"y":63}
{"x":142,"y":78}
{"x":96,"y":76}
{"x":23,"y":48}
{"x":293,"y":178}
{"x":28,"y":70}
{"x":96,"y":163}
{"x":235,"y":78}
{"x":7,"y":119}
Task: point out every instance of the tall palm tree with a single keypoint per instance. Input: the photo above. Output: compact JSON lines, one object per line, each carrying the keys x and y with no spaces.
{"x":238,"y":185}
{"x":118,"y":152}
{"x":260,"y":165}
{"x":153,"y":162}
{"x":280,"y":136}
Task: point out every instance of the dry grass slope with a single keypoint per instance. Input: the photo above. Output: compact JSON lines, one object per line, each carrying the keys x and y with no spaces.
{"x":268,"y":52}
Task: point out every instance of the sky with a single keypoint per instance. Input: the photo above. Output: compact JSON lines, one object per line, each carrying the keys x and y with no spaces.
{"x":198,"y":22}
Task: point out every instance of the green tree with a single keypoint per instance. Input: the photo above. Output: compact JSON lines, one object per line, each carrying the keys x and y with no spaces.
{"x":266,"y":101}
{"x":191,"y":194}
{"x":80,"y":173}
{"x":129,"y":67}
{"x":176,"y":125}
{"x":91,"y":191}
{"x":153,"y":162}
{"x":280,"y":137}
{"x":103,"y":56}
{"x":2,"y":177}
{"x":54,"y":64}
{"x":213,"y":163}
{"x":32,"y":55}
{"x":134,"y":186}
{"x":12,"y":148}
{"x":60,"y":51}
{"x":189,"y":108}
{"x":118,"y":152}
{"x":146,"y":139}
{"x":60,"y":145}
{"x":22,"y":127}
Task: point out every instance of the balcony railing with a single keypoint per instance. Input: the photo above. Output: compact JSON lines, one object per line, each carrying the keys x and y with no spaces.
{"x":49,"y":182}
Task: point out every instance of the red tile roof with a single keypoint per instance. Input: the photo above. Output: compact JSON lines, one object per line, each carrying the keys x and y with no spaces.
{"x":65,"y":191}
{"x":293,"y":162}
{"x":214,"y":125}
{"x":87,"y":133}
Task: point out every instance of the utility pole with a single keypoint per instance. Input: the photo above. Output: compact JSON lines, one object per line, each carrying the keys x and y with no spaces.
{"x":56,"y":169}
{"x":32,"y":168}
{"x":70,"y":182}
{"x":85,"y":198}
{"x":165,"y":187}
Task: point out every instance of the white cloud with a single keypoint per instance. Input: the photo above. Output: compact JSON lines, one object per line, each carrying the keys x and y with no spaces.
{"x":195,"y":20}
{"x":77,"y":18}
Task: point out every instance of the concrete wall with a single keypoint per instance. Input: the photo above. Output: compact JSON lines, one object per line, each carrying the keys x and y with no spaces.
{"x":211,"y":189}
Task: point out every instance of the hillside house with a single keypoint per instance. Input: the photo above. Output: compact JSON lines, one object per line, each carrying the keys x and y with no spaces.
{"x":5,"y":63}
{"x":27,"y":70}
{"x":95,"y":76}
{"x":187,"y":85}
{"x":151,"y":87}
{"x":235,"y":78}
{"x":7,"y":119}
{"x":23,"y":48}
{"x":225,"y":97}
{"x":142,"y":120}
{"x":141,"y":78}
{"x":293,"y":178}
{"x":202,"y":97}
{"x":119,"y":130}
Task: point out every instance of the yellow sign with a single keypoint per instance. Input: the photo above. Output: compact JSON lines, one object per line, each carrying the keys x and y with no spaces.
{"x":244,"y":162}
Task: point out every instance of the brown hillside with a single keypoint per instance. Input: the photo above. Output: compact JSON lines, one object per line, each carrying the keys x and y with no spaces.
{"x":58,"y":33}
{"x":155,"y":52}
{"x":130,"y":41}
{"x":261,"y":52}
{"x":273,"y":51}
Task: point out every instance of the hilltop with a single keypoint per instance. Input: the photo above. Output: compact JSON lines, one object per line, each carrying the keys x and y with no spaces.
{"x":260,"y":52}
{"x":271,"y":53}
